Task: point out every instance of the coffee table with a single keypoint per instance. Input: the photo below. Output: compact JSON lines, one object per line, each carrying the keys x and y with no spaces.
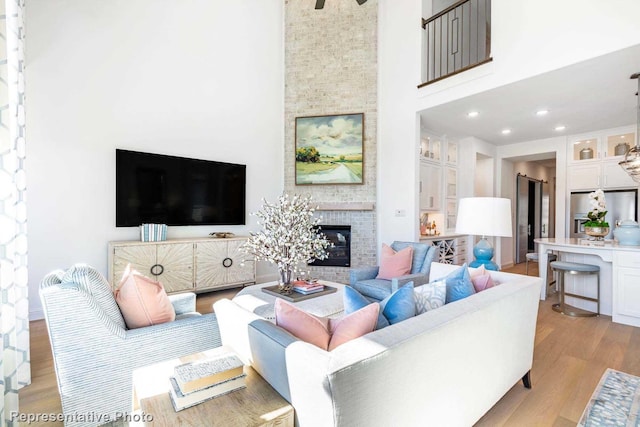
{"x":256,"y":405}
{"x":261,"y":303}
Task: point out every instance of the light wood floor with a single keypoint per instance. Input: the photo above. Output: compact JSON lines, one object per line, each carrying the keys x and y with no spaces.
{"x":571,"y":354}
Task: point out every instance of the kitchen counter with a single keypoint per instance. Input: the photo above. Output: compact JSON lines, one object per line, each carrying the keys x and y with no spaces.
{"x":619,"y":275}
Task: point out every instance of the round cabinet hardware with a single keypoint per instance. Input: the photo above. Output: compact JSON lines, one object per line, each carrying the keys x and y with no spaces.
{"x":157,"y":269}
{"x":227,"y":262}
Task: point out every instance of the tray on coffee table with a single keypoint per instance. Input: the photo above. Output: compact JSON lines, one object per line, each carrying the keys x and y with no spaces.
{"x":297,"y":296}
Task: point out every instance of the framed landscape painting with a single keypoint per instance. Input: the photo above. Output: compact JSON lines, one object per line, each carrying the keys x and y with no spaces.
{"x":329,"y":149}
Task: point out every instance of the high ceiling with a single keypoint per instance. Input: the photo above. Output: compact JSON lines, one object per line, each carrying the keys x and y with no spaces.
{"x":588,"y":96}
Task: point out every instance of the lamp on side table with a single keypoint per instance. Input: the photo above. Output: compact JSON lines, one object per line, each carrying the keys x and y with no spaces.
{"x":484,"y":216}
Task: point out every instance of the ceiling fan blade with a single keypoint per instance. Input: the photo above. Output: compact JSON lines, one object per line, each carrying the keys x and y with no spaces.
{"x":320,"y":4}
{"x":361,"y":2}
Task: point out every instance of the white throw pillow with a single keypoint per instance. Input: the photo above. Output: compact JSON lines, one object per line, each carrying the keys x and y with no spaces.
{"x":430,"y":296}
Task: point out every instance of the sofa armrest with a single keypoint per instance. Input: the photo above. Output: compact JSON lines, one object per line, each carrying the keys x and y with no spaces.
{"x":183,"y":303}
{"x":269,"y":344}
{"x":233,"y":321}
{"x":417,"y":279}
{"x":362,"y":273}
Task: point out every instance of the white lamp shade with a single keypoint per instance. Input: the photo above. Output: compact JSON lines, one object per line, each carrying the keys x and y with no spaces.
{"x":484,"y":216}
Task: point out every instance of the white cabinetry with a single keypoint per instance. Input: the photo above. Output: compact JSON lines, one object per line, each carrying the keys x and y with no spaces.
{"x":626,"y":296}
{"x":451,"y":249}
{"x":593,"y":160}
{"x":430,"y":185}
{"x":184,"y":264}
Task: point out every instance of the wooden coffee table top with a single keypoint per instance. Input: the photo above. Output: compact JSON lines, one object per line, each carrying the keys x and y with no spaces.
{"x":256,"y":405}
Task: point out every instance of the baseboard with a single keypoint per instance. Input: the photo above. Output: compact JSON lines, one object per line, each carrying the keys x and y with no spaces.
{"x":506,"y":266}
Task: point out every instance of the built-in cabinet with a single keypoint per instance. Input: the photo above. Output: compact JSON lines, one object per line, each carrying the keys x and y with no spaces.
{"x":626,"y":296}
{"x":185,"y":264}
{"x":439,"y":177}
{"x":452,"y":249}
{"x":593,"y":160}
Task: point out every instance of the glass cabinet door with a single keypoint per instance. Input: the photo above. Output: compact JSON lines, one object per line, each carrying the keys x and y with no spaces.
{"x":585,"y":149}
{"x":618,"y":145}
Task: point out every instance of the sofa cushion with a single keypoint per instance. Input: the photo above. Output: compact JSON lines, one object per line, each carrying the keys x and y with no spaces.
{"x":459,"y":284}
{"x":394,"y":263}
{"x":430,"y":296}
{"x":482,"y":282}
{"x":143,"y":301}
{"x":323,"y":332}
{"x":374,"y":288}
{"x":419,"y":253}
{"x":397,"y":307}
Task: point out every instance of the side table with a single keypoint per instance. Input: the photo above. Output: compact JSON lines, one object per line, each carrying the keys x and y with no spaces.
{"x":256,"y":405}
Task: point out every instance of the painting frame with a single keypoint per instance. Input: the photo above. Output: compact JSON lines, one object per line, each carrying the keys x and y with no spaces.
{"x":329,"y":149}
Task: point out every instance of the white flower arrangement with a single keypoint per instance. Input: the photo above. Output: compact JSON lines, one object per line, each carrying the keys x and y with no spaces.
{"x":598,"y":209}
{"x":290,"y":237}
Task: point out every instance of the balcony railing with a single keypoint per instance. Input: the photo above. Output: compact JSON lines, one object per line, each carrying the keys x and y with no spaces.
{"x":456,"y":39}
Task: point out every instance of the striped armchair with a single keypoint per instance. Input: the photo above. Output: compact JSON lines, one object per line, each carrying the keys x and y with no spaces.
{"x":95,"y":354}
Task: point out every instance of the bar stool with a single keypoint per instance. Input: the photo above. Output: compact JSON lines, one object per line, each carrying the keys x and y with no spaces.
{"x":533,"y":257}
{"x":575,"y":268}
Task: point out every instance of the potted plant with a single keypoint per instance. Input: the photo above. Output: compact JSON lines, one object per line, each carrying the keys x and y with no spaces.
{"x":597,"y":227}
{"x":290,"y":237}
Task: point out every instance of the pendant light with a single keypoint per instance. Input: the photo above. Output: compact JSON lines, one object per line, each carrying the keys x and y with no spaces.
{"x":631,"y":162}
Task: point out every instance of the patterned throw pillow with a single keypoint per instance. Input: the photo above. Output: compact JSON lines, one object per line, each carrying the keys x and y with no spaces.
{"x":430,"y":296}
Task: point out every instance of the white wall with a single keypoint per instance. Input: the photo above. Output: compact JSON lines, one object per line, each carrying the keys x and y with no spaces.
{"x":399,"y":39}
{"x":533,"y":37}
{"x":191,"y":78}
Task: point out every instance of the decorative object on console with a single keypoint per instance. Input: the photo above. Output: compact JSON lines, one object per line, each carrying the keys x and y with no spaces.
{"x":153,"y":232}
{"x":631,"y":162}
{"x":329,"y":149}
{"x":289,"y":237}
{"x":597,"y":227}
{"x":484,"y":216}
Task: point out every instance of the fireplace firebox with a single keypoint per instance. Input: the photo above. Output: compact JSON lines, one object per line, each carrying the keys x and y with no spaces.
{"x":340,"y":253}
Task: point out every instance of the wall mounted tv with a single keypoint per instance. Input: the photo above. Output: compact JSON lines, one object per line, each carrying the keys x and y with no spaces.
{"x":154,"y":188}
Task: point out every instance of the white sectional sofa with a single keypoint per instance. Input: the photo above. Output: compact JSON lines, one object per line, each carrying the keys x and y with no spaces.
{"x":446,"y":367}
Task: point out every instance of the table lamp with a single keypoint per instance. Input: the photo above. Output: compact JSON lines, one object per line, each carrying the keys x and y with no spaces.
{"x":484,"y":216}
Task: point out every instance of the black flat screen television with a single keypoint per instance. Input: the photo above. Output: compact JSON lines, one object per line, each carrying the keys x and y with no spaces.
{"x":154,"y":188}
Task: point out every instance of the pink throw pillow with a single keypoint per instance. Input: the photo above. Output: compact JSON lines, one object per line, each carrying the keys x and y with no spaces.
{"x":323,"y":332}
{"x":142,"y":301}
{"x":477,"y":271}
{"x":395,"y":264}
{"x":482,"y":282}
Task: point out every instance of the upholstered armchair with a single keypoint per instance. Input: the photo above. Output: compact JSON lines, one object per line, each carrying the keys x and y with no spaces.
{"x":364,"y":279}
{"x":95,"y":354}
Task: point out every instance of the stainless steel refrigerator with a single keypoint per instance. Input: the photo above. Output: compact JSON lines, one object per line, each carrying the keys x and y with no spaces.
{"x":621,"y":205}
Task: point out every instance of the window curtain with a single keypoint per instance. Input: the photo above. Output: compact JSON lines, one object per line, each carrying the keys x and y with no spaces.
{"x":15,"y":369}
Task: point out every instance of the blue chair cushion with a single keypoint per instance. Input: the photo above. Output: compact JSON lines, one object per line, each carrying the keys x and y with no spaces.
{"x":459,"y":284}
{"x":419,"y":253}
{"x":397,"y":307}
{"x":378,"y":289}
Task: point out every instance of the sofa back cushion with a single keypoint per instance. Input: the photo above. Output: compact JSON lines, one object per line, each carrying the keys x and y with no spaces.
{"x":420,"y":252}
{"x":94,"y":284}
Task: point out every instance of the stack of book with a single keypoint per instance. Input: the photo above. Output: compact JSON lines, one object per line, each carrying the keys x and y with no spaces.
{"x":307,"y":287}
{"x":203,"y":379}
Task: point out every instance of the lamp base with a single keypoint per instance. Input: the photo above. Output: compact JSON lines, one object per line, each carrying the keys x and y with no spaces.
{"x":483,"y":251}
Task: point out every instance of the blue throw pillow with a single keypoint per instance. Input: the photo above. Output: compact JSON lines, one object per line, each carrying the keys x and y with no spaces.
{"x":459,"y":284}
{"x":395,"y":308}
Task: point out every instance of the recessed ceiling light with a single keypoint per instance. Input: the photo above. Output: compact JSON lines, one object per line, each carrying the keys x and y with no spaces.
{"x":560,"y":128}
{"x":472,"y":114}
{"x":506,"y":131}
{"x":542,"y":112}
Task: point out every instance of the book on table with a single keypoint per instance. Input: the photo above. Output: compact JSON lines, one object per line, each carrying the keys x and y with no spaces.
{"x":308,"y":291}
{"x":207,"y":370}
{"x":304,"y":287}
{"x":181,"y":400}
